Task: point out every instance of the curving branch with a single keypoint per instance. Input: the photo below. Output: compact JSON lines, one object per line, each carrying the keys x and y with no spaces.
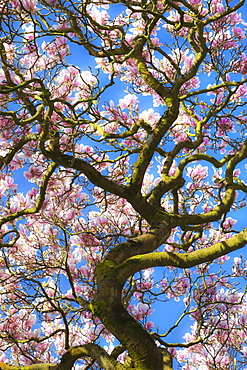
{"x":90,"y":350}
{"x":48,"y":366}
{"x":180,"y":260}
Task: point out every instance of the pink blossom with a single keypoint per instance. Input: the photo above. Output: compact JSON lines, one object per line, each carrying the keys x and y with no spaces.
{"x":189,"y":337}
{"x":141,"y":311}
{"x":238,"y":32}
{"x":149,"y":325}
{"x":88,"y":78}
{"x":129,"y":101}
{"x":229,"y":223}
{"x":19,"y":201}
{"x":150,"y":116}
{"x":198,"y":172}
{"x":8,"y":182}
{"x":236,"y":172}
{"x":156,"y":42}
{"x":237,"y":260}
{"x":29,"y":5}
{"x":242,"y":90}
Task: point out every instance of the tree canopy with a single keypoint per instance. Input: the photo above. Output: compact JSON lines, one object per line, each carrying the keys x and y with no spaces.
{"x":123,"y":154}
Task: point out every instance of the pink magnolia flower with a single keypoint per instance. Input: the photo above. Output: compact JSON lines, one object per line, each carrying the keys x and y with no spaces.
{"x":129,"y":101}
{"x":237,"y":260}
{"x":100,"y":16}
{"x":8,"y":182}
{"x":149,"y":325}
{"x":238,"y":32}
{"x":225,"y":125}
{"x":241,"y":91}
{"x":229,"y":223}
{"x":198,"y":172}
{"x":150,"y":116}
{"x":30,"y":5}
{"x":141,"y":311}
{"x":88,"y":78}
{"x":19,"y":201}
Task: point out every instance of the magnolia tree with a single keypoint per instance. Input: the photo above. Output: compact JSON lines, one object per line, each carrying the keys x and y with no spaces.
{"x":119,"y":183}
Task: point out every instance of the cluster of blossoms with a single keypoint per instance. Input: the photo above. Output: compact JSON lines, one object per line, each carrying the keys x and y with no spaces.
{"x":227,"y":342}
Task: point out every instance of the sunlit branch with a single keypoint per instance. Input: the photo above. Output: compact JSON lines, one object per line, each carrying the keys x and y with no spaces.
{"x":89,"y":350}
{"x":180,"y":260}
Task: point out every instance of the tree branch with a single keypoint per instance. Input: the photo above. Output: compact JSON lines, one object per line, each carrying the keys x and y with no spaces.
{"x":48,"y":366}
{"x":93,"y":350}
{"x":180,"y":260}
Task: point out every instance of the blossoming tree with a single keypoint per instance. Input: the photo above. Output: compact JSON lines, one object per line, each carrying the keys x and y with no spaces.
{"x":119,"y":184}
